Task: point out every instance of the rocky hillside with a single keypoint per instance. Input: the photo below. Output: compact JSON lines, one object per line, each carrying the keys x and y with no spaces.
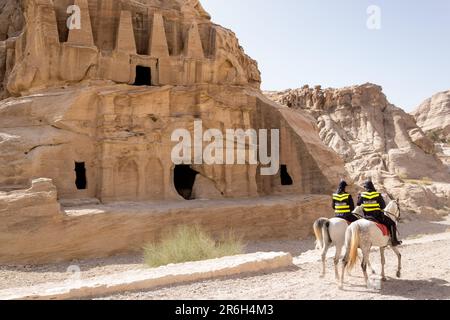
{"x":377,"y":140}
{"x":433,"y":116}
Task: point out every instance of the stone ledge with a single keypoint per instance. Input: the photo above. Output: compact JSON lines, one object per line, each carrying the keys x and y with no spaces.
{"x":147,"y":279}
{"x":86,"y":232}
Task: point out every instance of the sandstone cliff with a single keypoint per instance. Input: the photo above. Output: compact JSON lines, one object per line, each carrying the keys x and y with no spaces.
{"x":93,"y":108}
{"x":433,"y":116}
{"x":377,"y":140}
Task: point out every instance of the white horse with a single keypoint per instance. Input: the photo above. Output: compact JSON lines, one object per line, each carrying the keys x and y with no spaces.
{"x":365,"y":234}
{"x":331,"y":232}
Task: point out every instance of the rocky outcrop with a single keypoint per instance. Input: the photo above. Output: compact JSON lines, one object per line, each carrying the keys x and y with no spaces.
{"x":94,"y":108}
{"x":433,"y":116}
{"x":97,"y":108}
{"x":378,"y":141}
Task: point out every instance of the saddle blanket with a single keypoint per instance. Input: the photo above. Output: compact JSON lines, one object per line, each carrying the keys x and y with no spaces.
{"x":383,"y":229}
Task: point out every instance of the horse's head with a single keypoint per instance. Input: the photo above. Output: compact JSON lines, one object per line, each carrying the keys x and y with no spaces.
{"x":359,"y":211}
{"x":393,"y":210}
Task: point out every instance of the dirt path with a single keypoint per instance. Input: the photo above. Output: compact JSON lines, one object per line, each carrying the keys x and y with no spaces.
{"x":426,"y":273}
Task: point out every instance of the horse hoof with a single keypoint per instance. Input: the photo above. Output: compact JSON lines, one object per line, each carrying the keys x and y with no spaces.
{"x":399,"y":274}
{"x":384,"y":279}
{"x":341,"y":287}
{"x":374,"y":272}
{"x":322,"y":276}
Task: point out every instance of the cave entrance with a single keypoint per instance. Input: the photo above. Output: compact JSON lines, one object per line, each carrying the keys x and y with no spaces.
{"x":286,"y":179}
{"x":143,"y":76}
{"x":184,"y":179}
{"x":80,"y":171}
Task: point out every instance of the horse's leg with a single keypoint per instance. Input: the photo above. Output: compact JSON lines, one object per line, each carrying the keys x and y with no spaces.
{"x":383,"y":262}
{"x":360,"y":257}
{"x":346,"y":258}
{"x":337,"y":258}
{"x":365,"y":261}
{"x":324,"y":258}
{"x":371,"y":267}
{"x":344,"y":266}
{"x":399,"y":256}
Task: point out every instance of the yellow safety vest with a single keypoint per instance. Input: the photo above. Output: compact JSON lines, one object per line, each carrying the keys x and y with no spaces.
{"x":370,"y":204}
{"x":341,"y":205}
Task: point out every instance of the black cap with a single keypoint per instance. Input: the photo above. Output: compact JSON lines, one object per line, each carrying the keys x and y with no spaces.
{"x":368,"y":185}
{"x":343,"y":184}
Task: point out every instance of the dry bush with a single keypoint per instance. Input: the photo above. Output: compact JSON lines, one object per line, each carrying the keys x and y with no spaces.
{"x":191,"y":243}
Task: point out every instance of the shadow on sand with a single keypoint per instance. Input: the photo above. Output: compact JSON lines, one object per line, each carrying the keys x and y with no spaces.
{"x":432,"y":289}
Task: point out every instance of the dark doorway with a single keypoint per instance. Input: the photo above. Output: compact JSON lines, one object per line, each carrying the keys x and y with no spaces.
{"x":286,"y":179}
{"x":184,"y":179}
{"x":143,"y":76}
{"x":80,"y":170}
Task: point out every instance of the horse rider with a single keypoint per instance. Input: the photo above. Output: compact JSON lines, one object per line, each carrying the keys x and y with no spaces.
{"x":343,"y":204}
{"x":373,"y":205}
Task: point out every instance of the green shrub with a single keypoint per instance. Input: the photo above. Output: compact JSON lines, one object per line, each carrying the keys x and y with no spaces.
{"x":190,"y":243}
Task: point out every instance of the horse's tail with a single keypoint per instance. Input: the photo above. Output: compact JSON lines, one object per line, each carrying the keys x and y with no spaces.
{"x":354,"y":245}
{"x":321,"y":232}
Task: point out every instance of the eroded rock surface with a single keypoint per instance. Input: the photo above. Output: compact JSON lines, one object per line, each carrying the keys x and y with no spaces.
{"x":377,"y":140}
{"x":11,"y":25}
{"x":94,"y":108}
{"x":433,"y":116}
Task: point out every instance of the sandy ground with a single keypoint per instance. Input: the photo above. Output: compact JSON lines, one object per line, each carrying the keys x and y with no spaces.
{"x":426,"y":273}
{"x":426,"y":276}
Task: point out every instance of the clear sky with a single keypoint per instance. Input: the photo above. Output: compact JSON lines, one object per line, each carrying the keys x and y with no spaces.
{"x":327,"y":42}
